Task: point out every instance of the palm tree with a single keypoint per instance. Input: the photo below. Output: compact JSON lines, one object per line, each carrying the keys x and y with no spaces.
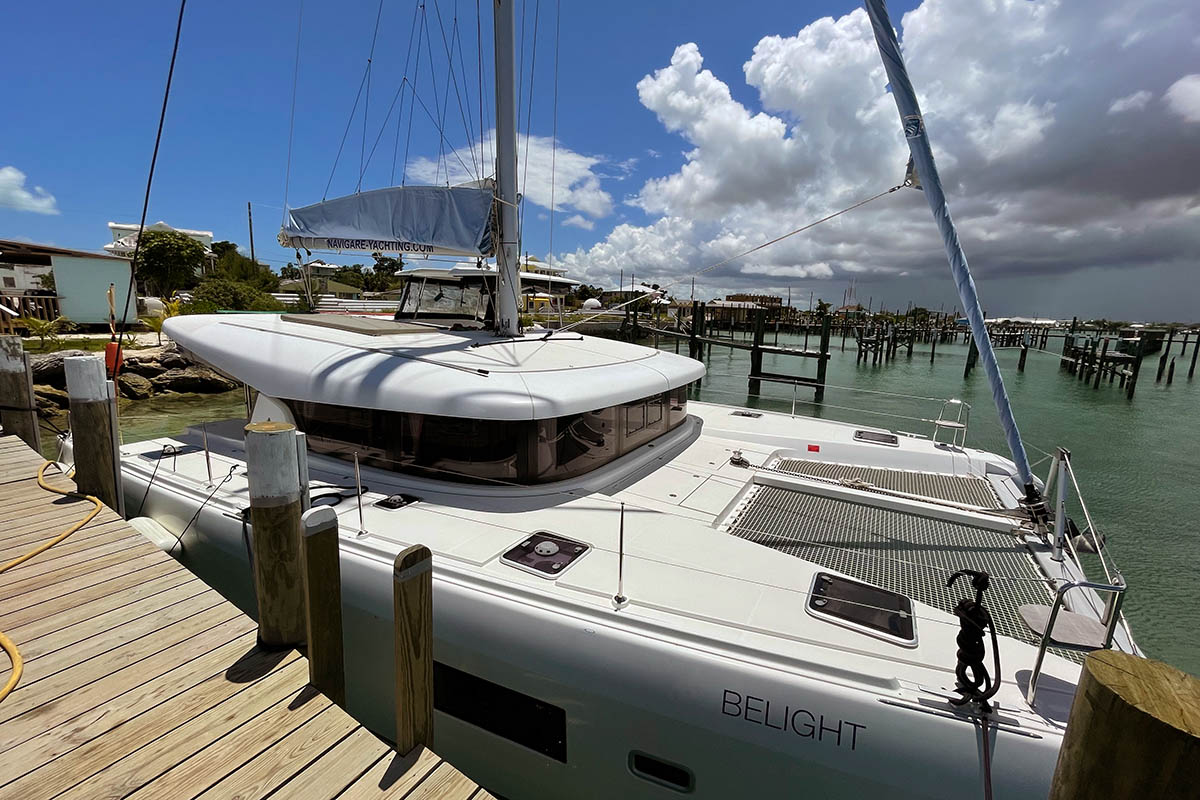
{"x":170,"y":308}
{"x":45,"y":328}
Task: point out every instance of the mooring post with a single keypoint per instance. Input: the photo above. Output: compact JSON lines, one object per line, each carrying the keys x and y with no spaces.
{"x":18,"y":407}
{"x":1100,"y":364}
{"x":274,"y":480}
{"x":972,"y":354}
{"x":822,"y":362}
{"x":1024,"y":353}
{"x":1171,"y":372}
{"x":692,"y":330}
{"x":323,"y":602}
{"x":760,"y":321}
{"x":1131,"y":731}
{"x":933,"y":340}
{"x":1162,"y":361}
{"x":1195,"y":350}
{"x":1139,"y":351}
{"x":94,"y":430}
{"x":412,"y":605}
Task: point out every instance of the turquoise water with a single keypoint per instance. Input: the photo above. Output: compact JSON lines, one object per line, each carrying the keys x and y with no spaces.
{"x":1136,"y":460}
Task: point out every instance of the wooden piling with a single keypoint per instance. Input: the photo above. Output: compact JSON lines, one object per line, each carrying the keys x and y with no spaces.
{"x":323,"y":602}
{"x":18,"y":407}
{"x":823,"y":360}
{"x":1131,"y":381}
{"x":1171,"y":372}
{"x":1100,"y":364}
{"x":94,"y":430}
{"x":1134,"y":731}
{"x":1024,"y":354}
{"x":972,"y":355}
{"x":1162,"y":360}
{"x":273,"y":476}
{"x":1195,"y":350}
{"x":412,"y":596}
{"x":760,"y":321}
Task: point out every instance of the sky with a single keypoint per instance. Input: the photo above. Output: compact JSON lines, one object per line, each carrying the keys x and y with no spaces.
{"x":671,"y":136}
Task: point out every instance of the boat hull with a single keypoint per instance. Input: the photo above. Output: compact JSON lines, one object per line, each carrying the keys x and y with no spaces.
{"x":728,"y":721}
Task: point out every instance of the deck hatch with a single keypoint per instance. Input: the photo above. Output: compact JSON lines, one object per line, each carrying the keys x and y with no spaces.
{"x":861,"y":606}
{"x":894,"y":550}
{"x":966,"y":489}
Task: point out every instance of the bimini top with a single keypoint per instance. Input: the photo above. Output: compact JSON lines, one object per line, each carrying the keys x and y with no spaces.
{"x":424,"y":370}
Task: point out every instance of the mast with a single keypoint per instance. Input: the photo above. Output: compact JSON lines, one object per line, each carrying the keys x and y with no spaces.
{"x":931,"y":184}
{"x":508,"y":281}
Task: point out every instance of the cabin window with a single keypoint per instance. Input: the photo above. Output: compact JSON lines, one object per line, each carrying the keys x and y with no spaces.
{"x":483,"y":451}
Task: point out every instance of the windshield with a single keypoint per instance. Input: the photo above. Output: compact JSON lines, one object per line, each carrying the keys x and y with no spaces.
{"x":442,"y":299}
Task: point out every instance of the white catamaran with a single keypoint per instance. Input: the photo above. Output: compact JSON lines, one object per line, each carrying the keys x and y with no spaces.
{"x":786,"y":621}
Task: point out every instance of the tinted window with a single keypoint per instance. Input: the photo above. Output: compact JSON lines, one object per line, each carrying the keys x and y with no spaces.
{"x":518,"y":451}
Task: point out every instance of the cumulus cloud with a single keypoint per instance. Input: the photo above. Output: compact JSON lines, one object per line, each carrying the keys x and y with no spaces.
{"x":576,"y":184}
{"x":1130,"y":102}
{"x":14,"y":195}
{"x":1045,"y":173}
{"x":579,"y":221}
{"x":1184,"y":97}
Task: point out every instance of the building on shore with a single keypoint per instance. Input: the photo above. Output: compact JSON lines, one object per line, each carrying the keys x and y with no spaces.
{"x":81,"y":281}
{"x":125,"y":236}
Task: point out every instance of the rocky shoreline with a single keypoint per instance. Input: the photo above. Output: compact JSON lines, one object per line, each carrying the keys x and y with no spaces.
{"x":144,"y":374}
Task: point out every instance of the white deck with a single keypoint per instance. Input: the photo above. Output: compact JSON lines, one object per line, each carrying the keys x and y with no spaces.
{"x":688,"y":581}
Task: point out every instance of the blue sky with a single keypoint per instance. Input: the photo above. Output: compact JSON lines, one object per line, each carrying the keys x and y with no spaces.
{"x":83,"y":118}
{"x":687,"y":132}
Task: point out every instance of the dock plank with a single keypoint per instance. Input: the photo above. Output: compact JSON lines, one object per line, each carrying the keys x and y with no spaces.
{"x":140,"y":681}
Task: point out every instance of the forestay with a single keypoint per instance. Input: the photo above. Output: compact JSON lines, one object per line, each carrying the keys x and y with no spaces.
{"x":428,"y":220}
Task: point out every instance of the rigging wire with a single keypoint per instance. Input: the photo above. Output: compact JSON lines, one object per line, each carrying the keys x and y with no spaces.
{"x":367,"y":102}
{"x":162,"y":118}
{"x":413,"y":85}
{"x":537,"y":7}
{"x":479,"y":59}
{"x":742,"y":254}
{"x":554,"y":128}
{"x":346,"y":133}
{"x":453,"y":77}
{"x":287,"y":175}
{"x":403,"y":80}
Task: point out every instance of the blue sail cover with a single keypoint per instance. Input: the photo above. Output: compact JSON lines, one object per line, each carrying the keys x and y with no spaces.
{"x":425,"y":220}
{"x":931,"y":184}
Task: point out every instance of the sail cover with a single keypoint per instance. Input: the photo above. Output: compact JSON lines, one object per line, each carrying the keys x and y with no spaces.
{"x":427,"y":220}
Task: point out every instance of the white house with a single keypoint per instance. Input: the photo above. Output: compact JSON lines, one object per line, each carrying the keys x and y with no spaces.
{"x":125,"y":235}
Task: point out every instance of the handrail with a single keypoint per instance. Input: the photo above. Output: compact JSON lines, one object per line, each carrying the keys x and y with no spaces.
{"x":1112,"y":613}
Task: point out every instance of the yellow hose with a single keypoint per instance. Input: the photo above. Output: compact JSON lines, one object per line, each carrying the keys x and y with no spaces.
{"x":7,"y":644}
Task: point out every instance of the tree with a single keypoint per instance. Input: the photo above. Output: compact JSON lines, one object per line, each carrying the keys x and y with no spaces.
{"x":168,"y":261}
{"x":170,"y":308}
{"x":352,"y":275}
{"x":823,"y":307}
{"x":232,"y":265}
{"x":47,"y":282}
{"x":291,"y":272}
{"x":232,"y":295}
{"x":220,"y":249}
{"x":45,"y":328}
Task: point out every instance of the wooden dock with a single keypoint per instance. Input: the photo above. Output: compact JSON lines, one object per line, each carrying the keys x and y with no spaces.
{"x":140,"y":681}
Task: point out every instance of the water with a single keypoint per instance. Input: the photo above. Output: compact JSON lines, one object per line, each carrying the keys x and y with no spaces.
{"x":1135,"y":460}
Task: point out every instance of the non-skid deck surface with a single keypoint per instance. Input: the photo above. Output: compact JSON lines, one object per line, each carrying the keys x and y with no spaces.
{"x":142,"y":682}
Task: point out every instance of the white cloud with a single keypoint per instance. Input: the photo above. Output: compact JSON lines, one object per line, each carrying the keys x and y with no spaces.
{"x":1184,"y":97}
{"x":1130,"y":102}
{"x":1013,"y":122}
{"x":14,"y":195}
{"x":579,"y":221}
{"x":576,"y":182}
